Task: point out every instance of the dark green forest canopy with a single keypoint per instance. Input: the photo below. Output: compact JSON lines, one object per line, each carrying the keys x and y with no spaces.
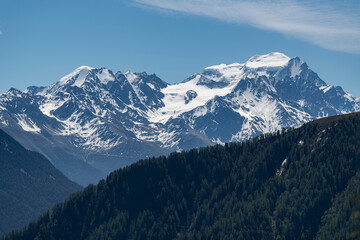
{"x":295,"y":184}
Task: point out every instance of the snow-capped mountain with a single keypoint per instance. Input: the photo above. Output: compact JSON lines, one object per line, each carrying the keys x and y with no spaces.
{"x":99,"y":120}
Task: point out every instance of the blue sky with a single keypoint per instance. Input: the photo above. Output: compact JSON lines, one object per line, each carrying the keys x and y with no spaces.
{"x":43,"y":40}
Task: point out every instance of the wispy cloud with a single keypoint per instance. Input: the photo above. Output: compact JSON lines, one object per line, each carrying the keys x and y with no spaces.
{"x":332,"y":24}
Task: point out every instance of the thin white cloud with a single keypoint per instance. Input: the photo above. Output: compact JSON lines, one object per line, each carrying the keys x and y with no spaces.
{"x":335,"y":26}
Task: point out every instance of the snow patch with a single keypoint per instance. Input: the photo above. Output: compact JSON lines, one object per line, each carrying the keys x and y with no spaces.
{"x":151,"y":86}
{"x":80,"y":74}
{"x":131,"y":77}
{"x":175,"y":95}
{"x":282,"y":168}
{"x":227,"y":72}
{"x":83,"y":73}
{"x":3,"y":121}
{"x":218,"y":141}
{"x":27,"y":124}
{"x":48,"y":107}
{"x":325,"y":88}
{"x":105,"y":76}
{"x":274,"y":59}
{"x":296,"y":69}
{"x":301,"y":102}
{"x":349,"y":97}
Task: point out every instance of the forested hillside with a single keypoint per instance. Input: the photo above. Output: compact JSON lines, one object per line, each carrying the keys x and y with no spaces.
{"x":29,"y":185}
{"x":298,"y":184}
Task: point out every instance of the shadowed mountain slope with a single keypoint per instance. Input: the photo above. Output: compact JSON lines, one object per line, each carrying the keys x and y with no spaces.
{"x":29,"y":185}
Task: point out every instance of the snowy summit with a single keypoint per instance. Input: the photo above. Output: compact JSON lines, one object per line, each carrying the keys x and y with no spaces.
{"x":274,"y":59}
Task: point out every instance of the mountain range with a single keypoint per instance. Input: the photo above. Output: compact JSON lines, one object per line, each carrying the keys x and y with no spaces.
{"x":93,"y":120}
{"x":293,"y":184}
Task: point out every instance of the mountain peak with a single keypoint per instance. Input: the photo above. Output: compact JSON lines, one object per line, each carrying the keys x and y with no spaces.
{"x":274,"y":59}
{"x":84,"y":68}
{"x":80,"y":74}
{"x":14,"y":90}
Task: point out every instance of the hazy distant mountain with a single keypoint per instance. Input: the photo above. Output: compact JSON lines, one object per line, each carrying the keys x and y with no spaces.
{"x":29,"y":185}
{"x":93,"y":120}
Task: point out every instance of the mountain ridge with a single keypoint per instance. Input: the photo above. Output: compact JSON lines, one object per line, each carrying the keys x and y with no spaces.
{"x":122,"y":117}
